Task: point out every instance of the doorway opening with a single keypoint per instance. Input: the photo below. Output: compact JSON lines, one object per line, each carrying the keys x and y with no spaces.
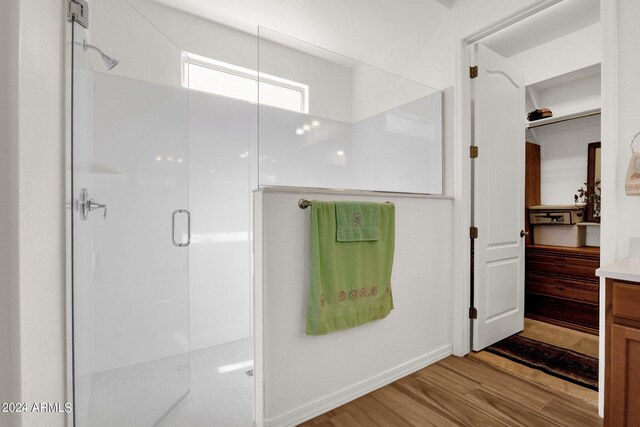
{"x":534,"y":293}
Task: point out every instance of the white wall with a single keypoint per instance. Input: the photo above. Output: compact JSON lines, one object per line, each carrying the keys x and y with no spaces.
{"x":563,"y":158}
{"x":32,"y":364}
{"x":305,"y":375}
{"x":375,"y":39}
{"x":160,"y":37}
{"x":375,"y":91}
{"x":569,"y":93}
{"x":9,"y":240}
{"x":40,"y":206}
{"x":428,"y":25}
{"x":625,"y":213}
{"x":329,"y":76}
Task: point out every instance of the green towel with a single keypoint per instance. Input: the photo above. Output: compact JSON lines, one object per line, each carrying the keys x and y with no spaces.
{"x":350,"y":281}
{"x":357,"y":222}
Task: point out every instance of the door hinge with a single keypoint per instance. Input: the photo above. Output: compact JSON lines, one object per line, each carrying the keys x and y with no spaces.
{"x":78,"y":12}
{"x":473,"y":313}
{"x":473,"y":151}
{"x":473,"y":232}
{"x":473,"y":72}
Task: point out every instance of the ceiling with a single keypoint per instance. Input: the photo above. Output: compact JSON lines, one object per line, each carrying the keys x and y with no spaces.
{"x":559,"y":20}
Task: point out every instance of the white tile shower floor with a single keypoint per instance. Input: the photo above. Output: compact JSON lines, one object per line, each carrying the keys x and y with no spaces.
{"x":217,"y":398}
{"x":221,"y":394}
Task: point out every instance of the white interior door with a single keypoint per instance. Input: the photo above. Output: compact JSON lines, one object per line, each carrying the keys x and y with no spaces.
{"x":498,"y":183}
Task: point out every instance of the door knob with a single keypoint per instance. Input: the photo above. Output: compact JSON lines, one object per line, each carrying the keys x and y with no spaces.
{"x":523,"y":233}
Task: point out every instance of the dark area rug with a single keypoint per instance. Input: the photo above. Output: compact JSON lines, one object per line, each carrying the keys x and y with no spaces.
{"x":559,"y":362}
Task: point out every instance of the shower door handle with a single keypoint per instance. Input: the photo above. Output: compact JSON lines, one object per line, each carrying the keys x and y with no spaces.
{"x":173,"y":228}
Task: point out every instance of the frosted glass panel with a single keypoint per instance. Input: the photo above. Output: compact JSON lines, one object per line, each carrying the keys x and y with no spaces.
{"x":366,"y":128}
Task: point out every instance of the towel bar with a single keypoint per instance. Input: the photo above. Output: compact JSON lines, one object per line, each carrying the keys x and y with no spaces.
{"x":304,"y":203}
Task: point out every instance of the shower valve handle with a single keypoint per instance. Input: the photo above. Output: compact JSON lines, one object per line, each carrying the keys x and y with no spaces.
{"x":93,"y":205}
{"x":84,"y":205}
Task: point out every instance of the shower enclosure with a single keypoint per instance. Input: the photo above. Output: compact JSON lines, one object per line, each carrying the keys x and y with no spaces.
{"x":159,"y":191}
{"x":165,"y":150}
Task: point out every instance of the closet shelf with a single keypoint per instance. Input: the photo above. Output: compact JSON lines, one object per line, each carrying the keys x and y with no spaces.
{"x":588,"y":224}
{"x":566,"y":117}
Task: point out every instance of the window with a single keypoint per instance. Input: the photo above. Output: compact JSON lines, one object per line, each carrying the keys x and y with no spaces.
{"x":220,"y":78}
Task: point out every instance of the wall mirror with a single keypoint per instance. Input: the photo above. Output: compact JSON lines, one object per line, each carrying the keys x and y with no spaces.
{"x":593,"y":181}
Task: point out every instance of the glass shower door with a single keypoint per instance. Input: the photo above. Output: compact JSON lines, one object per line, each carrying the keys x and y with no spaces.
{"x":130,"y":223}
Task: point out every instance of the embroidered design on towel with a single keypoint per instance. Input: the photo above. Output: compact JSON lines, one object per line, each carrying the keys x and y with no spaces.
{"x":356,"y":293}
{"x":357,"y":219}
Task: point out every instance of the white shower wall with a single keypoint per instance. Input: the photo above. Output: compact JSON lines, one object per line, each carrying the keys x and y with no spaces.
{"x":140,"y":279}
{"x":396,"y":150}
{"x":200,"y":154}
{"x":222,"y":132}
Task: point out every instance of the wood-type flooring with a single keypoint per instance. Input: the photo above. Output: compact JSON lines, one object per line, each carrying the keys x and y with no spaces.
{"x":461,"y":392}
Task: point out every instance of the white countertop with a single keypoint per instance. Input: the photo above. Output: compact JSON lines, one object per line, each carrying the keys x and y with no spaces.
{"x":626,"y":269}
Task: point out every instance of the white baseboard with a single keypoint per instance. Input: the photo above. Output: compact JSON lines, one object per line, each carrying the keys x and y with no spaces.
{"x":327,"y":403}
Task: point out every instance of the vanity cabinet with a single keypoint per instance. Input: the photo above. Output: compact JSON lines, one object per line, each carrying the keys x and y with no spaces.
{"x":622,"y":350}
{"x":561,"y":286}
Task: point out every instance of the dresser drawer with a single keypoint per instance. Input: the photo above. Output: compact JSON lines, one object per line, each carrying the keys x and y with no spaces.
{"x":563,"y":287}
{"x":565,"y":310}
{"x":625,"y":300}
{"x":560,"y":264}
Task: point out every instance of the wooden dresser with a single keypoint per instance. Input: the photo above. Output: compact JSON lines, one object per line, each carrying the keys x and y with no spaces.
{"x":561,"y":286}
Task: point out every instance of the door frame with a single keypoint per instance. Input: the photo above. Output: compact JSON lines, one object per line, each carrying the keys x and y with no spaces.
{"x":609,"y":145}
{"x":462,"y":171}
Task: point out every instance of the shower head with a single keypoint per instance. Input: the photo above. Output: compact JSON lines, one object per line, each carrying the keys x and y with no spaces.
{"x":109,"y":62}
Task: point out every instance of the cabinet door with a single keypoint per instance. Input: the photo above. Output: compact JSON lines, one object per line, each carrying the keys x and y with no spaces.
{"x":624,"y":398}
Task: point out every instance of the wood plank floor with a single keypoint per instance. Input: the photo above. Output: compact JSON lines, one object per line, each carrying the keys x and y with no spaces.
{"x":461,"y":392}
